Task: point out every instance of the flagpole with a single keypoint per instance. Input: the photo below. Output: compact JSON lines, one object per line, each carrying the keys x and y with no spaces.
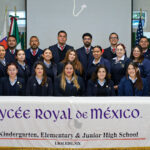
{"x":141,"y":13}
{"x":15,"y":11}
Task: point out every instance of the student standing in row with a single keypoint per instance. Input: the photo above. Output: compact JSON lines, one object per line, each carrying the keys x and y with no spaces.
{"x":68,"y":83}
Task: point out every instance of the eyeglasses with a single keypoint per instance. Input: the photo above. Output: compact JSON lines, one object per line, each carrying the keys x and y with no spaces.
{"x":113,"y":38}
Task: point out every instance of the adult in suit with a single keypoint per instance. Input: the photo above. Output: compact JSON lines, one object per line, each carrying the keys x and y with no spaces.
{"x":110,"y":52}
{"x":144,"y":43}
{"x":85,"y":52}
{"x":11,"y":51}
{"x":132,"y":84}
{"x":34,"y":52}
{"x":59,"y":50}
{"x":3,"y":61}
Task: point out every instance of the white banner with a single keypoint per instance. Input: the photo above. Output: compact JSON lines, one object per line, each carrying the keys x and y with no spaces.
{"x":75,"y":122}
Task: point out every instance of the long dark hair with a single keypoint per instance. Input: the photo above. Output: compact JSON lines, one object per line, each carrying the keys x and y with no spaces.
{"x":94,"y":75}
{"x":139,"y":83}
{"x":141,"y":58}
{"x":44,"y":80}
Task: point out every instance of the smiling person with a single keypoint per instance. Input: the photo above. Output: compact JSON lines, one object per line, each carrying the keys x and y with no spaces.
{"x":100,"y":83}
{"x":60,"y":49}
{"x":3,"y":61}
{"x":133,"y":84}
{"x":71,"y":56}
{"x":39,"y":84}
{"x":143,"y":63}
{"x":119,"y":65}
{"x":98,"y":59}
{"x":68,"y":83}
{"x":23,"y":68}
{"x":12,"y":85}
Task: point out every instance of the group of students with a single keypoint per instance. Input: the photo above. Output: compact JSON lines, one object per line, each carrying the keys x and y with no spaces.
{"x":62,"y":71}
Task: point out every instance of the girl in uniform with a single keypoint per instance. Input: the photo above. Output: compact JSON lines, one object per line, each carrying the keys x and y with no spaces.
{"x":68,"y":83}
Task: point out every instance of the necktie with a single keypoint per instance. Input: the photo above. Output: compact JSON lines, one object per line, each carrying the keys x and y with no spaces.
{"x":87,"y":50}
{"x":12,"y":51}
{"x":62,"y":48}
{"x":114,"y":50}
{"x":34,"y":53}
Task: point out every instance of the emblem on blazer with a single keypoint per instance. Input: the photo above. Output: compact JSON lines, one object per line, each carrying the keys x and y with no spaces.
{"x":122,"y":65}
{"x":19,"y":84}
{"x":46,"y":84}
{"x":34,"y":84}
{"x":106,"y":86}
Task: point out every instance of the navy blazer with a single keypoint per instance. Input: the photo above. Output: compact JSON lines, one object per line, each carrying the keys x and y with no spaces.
{"x":59,"y":55}
{"x":70,"y":90}
{"x":92,"y":67}
{"x":46,"y":90}
{"x":93,"y":88}
{"x":108,"y":54}
{"x":147,"y":54}
{"x":84,"y":58}
{"x":30,"y":59}
{"x":3,"y":71}
{"x":23,"y":73}
{"x":118,"y":69}
{"x":125,"y":88}
{"x":10,"y":57}
{"x":7,"y":89}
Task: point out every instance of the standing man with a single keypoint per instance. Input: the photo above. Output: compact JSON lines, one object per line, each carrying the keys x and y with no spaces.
{"x":144,"y":43}
{"x":110,"y":52}
{"x":34,"y":52}
{"x":11,"y":51}
{"x":59,"y":50}
{"x":85,"y":52}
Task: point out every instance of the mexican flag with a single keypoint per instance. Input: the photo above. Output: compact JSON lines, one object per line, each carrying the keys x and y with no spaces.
{"x":15,"y":31}
{"x":3,"y":35}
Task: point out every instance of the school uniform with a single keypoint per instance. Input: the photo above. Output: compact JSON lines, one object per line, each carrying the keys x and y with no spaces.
{"x":85,"y":57}
{"x":11,"y":57}
{"x":58,"y":53}
{"x":17,"y":88}
{"x":147,"y":54}
{"x":126,"y":88}
{"x":109,"y":54}
{"x":31,"y":58}
{"x":23,"y":71}
{"x":100,"y":89}
{"x":92,"y":66}
{"x":118,"y":69}
{"x":3,"y":64}
{"x":34,"y":87}
{"x":70,"y":89}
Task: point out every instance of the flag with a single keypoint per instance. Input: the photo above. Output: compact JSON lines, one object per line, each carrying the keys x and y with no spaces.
{"x":3,"y":36}
{"x":139,"y":32}
{"x":15,"y":31}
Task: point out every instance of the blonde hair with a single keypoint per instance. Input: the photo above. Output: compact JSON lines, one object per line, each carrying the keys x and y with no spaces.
{"x":63,"y":79}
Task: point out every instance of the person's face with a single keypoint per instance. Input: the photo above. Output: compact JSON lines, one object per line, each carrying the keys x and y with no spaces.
{"x":113,"y":39}
{"x":12,"y":43}
{"x":34,"y":43}
{"x":2,"y":52}
{"x":21,"y":56}
{"x":120,"y":51}
{"x":144,"y":43}
{"x":12,"y":71}
{"x":72,"y":56}
{"x":87,"y":41}
{"x":97,"y":53}
{"x":131,"y":71}
{"x":136,"y":53}
{"x":62,"y":38}
{"x":39,"y":70}
{"x":69,"y":70}
{"x":101,"y":74}
{"x":47,"y":55}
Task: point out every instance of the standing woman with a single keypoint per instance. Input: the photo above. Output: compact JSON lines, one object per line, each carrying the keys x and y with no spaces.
{"x":143,"y":63}
{"x":12,"y":85}
{"x":23,"y":68}
{"x":100,"y":83}
{"x":71,"y":56}
{"x":119,"y":65}
{"x":50,"y":66}
{"x":132,"y":84}
{"x":68,"y":83}
{"x":39,"y":84}
{"x":3,"y":62}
